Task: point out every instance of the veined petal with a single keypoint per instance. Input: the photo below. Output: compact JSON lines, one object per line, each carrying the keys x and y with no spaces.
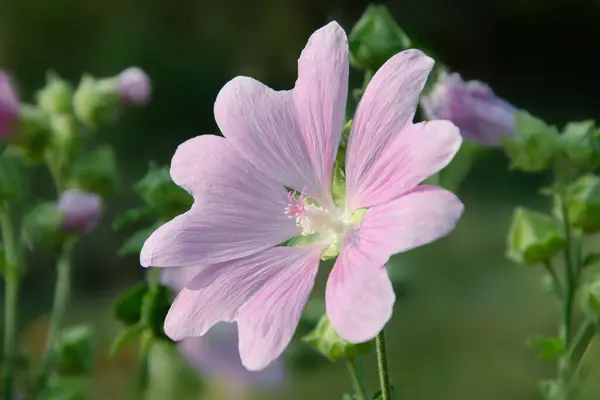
{"x":237,"y":210}
{"x":292,"y":136}
{"x":387,"y":106}
{"x":418,"y":152}
{"x":320,"y":98}
{"x":176,"y":278}
{"x":267,"y":323}
{"x":218,"y":291}
{"x":420,"y":216}
{"x":359,"y":295}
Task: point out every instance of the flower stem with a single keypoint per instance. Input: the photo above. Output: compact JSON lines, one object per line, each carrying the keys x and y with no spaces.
{"x":359,"y":389}
{"x":13,"y":276}
{"x":61,"y":298}
{"x":384,"y":377}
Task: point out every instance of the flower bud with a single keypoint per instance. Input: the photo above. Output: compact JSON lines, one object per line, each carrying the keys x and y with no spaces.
{"x":80,"y":209}
{"x":590,"y":299}
{"x":329,"y":343}
{"x":9,"y":108}
{"x":134,"y":86}
{"x":96,"y":171}
{"x":375,"y":38}
{"x":472,"y":106}
{"x":533,"y":237}
{"x":535,"y":147}
{"x":56,"y":97}
{"x":584,"y":204}
{"x":96,"y":102}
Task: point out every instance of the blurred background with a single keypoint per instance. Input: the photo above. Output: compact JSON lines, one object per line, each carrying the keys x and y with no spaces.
{"x":461,"y":322}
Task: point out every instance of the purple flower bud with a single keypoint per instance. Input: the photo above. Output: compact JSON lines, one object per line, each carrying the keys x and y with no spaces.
{"x":472,"y":106}
{"x":9,"y":108}
{"x":216,"y":355}
{"x":134,"y":86}
{"x":81,"y":210}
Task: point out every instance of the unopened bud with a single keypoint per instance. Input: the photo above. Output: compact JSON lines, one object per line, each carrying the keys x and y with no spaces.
{"x":9,"y":108}
{"x":80,"y":209}
{"x":134,"y":86}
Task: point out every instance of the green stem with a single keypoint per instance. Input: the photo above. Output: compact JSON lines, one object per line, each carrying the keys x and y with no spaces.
{"x":61,"y":299}
{"x":384,"y":377}
{"x":359,"y":389}
{"x":13,"y":276}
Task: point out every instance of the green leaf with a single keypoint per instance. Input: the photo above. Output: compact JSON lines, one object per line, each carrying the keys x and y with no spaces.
{"x":326,"y":340}
{"x":34,"y":133}
{"x":591,"y":259}
{"x":64,"y":389}
{"x":536,"y":145}
{"x":375,"y":38}
{"x":349,"y":397}
{"x":584,"y":204}
{"x":590,"y":298}
{"x":96,"y":172}
{"x":75,"y":351}
{"x":533,"y":237}
{"x":13,"y":179}
{"x":159,"y":192}
{"x":43,"y":225}
{"x":125,"y":336}
{"x":128,"y":308}
{"x":550,"y":348}
{"x":581,"y":145}
{"x":132,"y":216}
{"x":133,"y":244}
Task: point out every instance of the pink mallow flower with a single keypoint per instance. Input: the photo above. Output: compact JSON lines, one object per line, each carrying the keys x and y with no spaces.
{"x":80,"y":210}
{"x":481,"y":115}
{"x":216,"y":354}
{"x":9,"y":108}
{"x":289,"y":139}
{"x":134,"y":86}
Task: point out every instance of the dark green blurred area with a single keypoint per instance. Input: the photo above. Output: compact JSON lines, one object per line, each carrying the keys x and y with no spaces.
{"x":459,"y":331}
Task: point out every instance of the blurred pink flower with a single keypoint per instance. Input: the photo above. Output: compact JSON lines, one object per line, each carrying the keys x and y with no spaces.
{"x":243,"y":212}
{"x":480,"y":115}
{"x":216,"y":354}
{"x":134,"y":86}
{"x":9,"y":108}
{"x":80,"y":209}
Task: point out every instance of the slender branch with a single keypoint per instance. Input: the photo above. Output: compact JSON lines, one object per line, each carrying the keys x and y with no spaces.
{"x":384,"y":377}
{"x":359,"y":389}
{"x":61,"y":298}
{"x":11,"y":295}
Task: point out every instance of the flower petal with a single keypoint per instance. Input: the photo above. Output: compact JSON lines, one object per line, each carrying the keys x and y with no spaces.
{"x":292,"y":136}
{"x":359,"y":295}
{"x":218,"y":291}
{"x":320,"y":97}
{"x":237,"y":210}
{"x":175,"y":278}
{"x":420,"y":216}
{"x":418,"y":152}
{"x":387,"y":106}
{"x":267,"y":323}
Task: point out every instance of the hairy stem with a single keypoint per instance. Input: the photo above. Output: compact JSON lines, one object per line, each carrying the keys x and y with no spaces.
{"x":384,"y":377}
